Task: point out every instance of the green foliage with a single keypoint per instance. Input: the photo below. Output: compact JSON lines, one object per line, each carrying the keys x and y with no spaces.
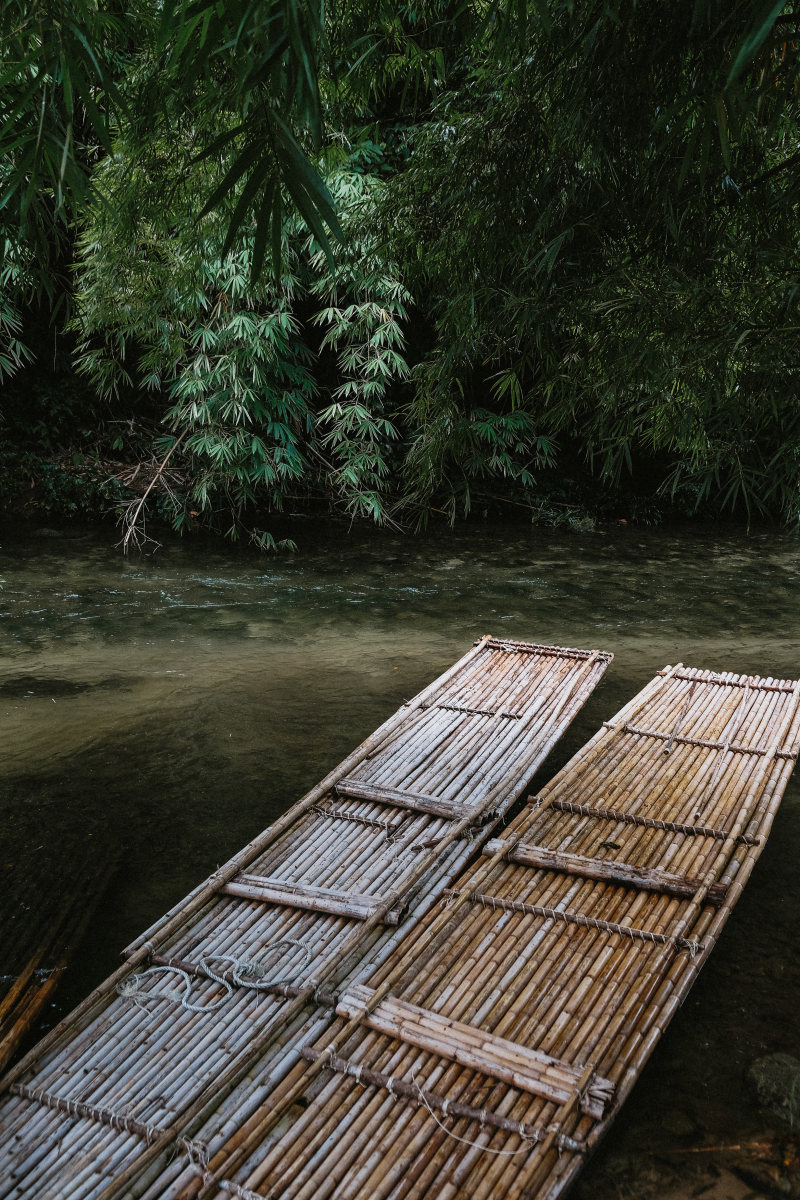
{"x":55,"y":75}
{"x":606,"y":230}
{"x":59,"y":489}
{"x":363,"y":308}
{"x":16,"y":287}
{"x":454,"y":449}
{"x":594,"y":208}
{"x":13,"y":353}
{"x":165,"y":304}
{"x":71,"y":74}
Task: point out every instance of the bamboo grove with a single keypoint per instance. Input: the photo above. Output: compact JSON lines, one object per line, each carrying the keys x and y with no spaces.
{"x":398,"y":259}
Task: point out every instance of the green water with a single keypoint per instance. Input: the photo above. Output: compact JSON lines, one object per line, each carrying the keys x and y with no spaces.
{"x":157,"y":712}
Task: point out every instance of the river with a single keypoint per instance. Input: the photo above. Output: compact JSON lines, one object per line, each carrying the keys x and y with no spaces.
{"x":159,"y":711}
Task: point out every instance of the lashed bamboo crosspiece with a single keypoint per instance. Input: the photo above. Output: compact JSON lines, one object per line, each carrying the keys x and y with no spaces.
{"x":169,"y":1043}
{"x":556,"y":959}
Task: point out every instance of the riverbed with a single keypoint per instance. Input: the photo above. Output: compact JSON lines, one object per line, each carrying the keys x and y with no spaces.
{"x":159,"y":711}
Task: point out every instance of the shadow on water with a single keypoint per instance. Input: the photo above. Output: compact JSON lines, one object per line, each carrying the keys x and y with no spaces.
{"x":158,"y":712}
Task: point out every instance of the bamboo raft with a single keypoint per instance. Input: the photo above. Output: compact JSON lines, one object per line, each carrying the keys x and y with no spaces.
{"x":488,"y":1054}
{"x":216,"y":1001}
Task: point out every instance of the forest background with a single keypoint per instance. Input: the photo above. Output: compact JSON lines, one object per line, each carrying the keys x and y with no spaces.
{"x":534,"y":256}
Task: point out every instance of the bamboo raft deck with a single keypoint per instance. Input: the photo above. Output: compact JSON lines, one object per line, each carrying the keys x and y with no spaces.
{"x":217,"y":999}
{"x":485,"y":1056}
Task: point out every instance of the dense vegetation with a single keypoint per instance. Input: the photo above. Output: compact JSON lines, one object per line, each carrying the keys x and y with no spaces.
{"x":399,"y":258}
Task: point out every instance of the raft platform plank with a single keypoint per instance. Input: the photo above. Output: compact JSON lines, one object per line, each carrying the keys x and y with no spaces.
{"x":314,"y":899}
{"x":451,"y":810}
{"x":409,"y":1091}
{"x":648,"y":879}
{"x":539,"y":1074}
{"x":234,"y":979}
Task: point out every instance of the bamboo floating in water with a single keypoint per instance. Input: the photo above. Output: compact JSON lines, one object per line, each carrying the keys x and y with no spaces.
{"x":26,"y":998}
{"x":42,"y":965}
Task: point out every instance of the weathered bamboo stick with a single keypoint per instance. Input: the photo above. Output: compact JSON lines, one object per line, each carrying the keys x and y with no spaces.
{"x":415,"y":801}
{"x":609,"y":870}
{"x":316,"y":899}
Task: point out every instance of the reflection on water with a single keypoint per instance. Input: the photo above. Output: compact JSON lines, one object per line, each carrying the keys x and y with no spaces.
{"x":157,"y":712}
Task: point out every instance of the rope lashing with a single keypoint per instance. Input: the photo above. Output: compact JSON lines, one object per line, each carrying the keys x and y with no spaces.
{"x":410,"y":1090}
{"x":614,"y":814}
{"x":687,"y":741}
{"x":529,"y":1138}
{"x":122,"y":1122}
{"x":197,"y":1154}
{"x":246,"y":973}
{"x":342,"y":814}
{"x":575,"y":918}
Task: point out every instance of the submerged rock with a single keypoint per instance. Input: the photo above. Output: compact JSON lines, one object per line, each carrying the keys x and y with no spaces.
{"x":775,"y":1080}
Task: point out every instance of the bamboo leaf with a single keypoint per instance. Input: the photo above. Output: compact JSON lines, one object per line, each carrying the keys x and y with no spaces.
{"x":220,"y":142}
{"x":270,"y":200}
{"x":250,"y":159}
{"x":301,"y":175}
{"x":722,"y":127}
{"x":254,"y":184}
{"x":755,"y":39}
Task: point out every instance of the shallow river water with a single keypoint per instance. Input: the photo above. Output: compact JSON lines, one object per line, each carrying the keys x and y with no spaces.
{"x":157,"y":712}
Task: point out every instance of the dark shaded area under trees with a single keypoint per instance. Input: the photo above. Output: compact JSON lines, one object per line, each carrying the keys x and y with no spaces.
{"x":399,"y":260}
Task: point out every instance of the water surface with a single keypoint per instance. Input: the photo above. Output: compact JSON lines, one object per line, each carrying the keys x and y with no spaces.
{"x":158,"y":712}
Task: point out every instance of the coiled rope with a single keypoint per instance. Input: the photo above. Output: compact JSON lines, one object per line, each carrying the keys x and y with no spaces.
{"x":250,"y":973}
